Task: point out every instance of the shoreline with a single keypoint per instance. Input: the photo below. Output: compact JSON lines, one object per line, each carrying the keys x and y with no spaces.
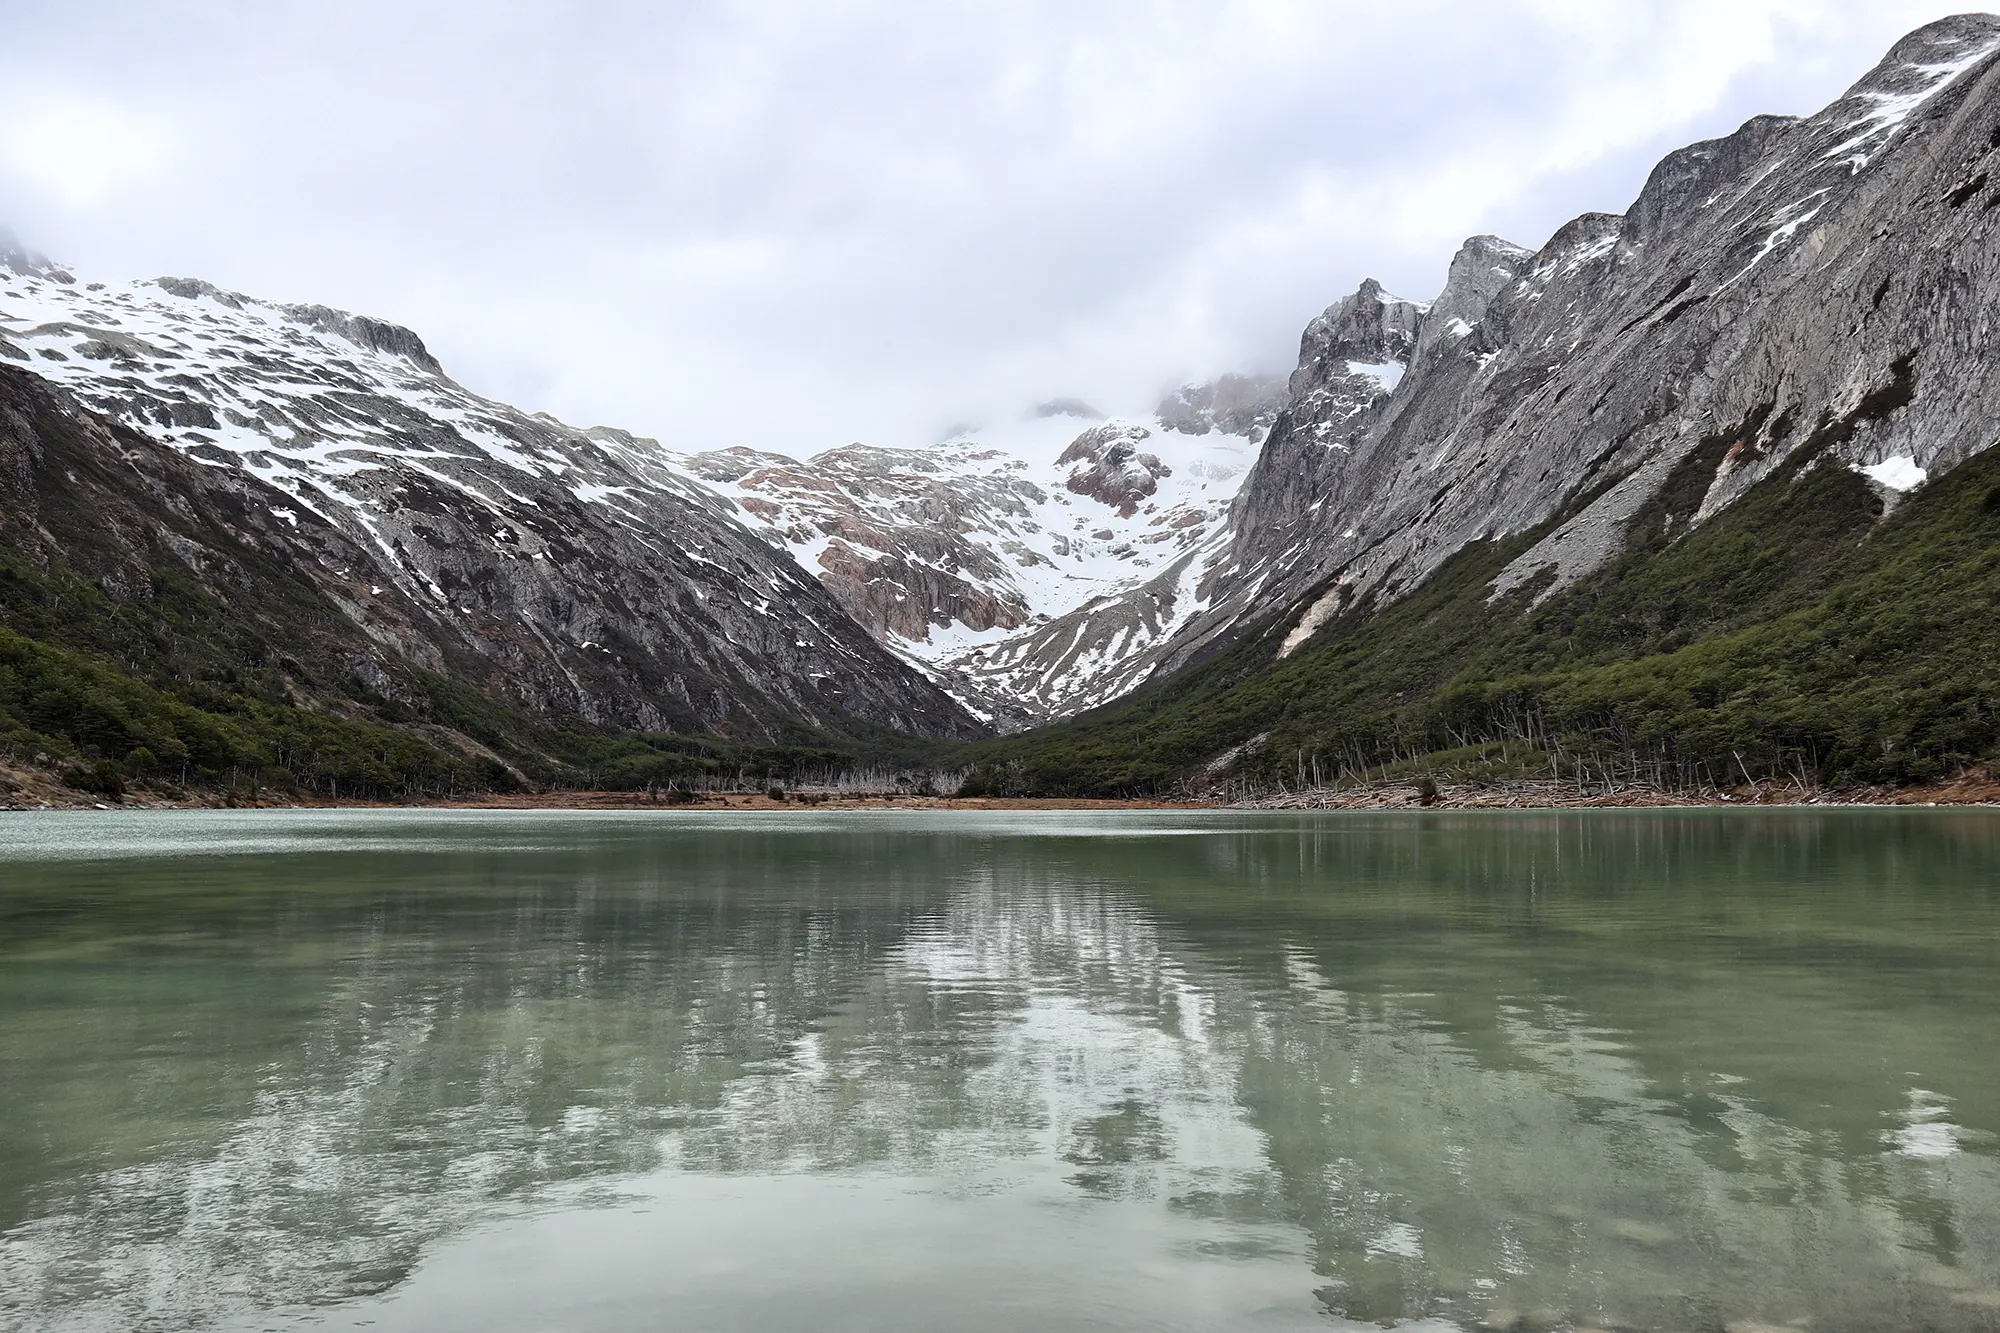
{"x":1975,"y":788}
{"x":1969,"y":791}
{"x":24,"y":789}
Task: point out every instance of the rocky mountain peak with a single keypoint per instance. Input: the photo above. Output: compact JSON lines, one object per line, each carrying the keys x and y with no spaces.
{"x":1480,"y":271}
{"x":1678,"y":187}
{"x":1877,"y":107}
{"x":194,"y":289}
{"x":1698,"y":176}
{"x":370,"y":334}
{"x":1371,"y":332}
{"x":1912,"y":62}
{"x":1596,"y":232}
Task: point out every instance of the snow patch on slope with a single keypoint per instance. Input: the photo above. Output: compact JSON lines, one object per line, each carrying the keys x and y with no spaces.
{"x":1886,"y":111}
{"x":1388,"y":374}
{"x":1899,"y":473}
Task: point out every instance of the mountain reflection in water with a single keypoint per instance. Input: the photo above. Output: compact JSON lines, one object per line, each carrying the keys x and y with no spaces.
{"x":1650,"y":1070}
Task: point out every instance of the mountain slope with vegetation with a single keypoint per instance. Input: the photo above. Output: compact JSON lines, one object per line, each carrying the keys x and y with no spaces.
{"x":1819,"y":285}
{"x":155,"y":628}
{"x":1803,"y":633}
{"x":1701,"y":493}
{"x":569,"y":574}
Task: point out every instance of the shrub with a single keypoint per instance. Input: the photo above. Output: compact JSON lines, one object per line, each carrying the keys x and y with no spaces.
{"x":102,"y":778}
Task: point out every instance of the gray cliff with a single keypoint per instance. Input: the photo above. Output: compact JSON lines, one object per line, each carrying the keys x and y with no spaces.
{"x":1819,"y":290}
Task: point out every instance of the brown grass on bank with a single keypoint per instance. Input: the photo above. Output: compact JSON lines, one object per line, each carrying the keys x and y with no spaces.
{"x":1977,"y":786}
{"x":37,"y":789}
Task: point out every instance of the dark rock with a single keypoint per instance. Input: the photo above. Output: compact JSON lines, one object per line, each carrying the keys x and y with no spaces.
{"x":1109,"y":468}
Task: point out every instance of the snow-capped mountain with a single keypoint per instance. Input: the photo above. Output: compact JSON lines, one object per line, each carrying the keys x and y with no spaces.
{"x":1808,"y":288}
{"x":517,"y":532}
{"x":577,"y":572}
{"x":1028,"y":565}
{"x":1802,"y":293}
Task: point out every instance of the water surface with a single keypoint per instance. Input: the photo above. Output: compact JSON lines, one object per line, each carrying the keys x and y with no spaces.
{"x":1650,"y":1070}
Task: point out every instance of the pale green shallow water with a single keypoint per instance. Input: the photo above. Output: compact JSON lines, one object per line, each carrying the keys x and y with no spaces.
{"x":1039,"y":1071}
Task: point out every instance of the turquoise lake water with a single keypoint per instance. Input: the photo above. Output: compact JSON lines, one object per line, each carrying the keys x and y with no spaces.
{"x":1048,"y":1070}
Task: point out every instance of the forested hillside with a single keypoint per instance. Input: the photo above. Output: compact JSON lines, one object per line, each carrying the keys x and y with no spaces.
{"x":155,"y":630}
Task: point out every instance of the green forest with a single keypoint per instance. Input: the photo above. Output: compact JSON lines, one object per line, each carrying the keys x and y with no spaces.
{"x":180,"y":689}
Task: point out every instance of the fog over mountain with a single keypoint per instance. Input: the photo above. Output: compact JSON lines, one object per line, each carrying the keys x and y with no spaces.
{"x":786,"y":226}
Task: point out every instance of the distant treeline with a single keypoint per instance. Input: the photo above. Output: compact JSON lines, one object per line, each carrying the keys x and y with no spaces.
{"x":104,"y":731}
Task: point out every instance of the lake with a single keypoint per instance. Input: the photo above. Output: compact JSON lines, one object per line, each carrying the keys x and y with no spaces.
{"x":882,"y":1071}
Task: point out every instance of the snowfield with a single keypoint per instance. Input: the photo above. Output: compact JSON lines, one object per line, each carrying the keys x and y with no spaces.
{"x":990,"y":514}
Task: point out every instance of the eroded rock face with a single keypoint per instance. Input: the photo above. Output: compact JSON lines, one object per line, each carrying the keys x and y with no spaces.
{"x":905,"y":540}
{"x":1107,"y":465}
{"x":901,"y":596}
{"x":579,"y":573}
{"x":1808,"y":292}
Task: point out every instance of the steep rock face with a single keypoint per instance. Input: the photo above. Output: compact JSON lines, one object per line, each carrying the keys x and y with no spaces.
{"x":1351,"y":359}
{"x":578,"y":573}
{"x":1811,"y":291}
{"x":906,"y":540}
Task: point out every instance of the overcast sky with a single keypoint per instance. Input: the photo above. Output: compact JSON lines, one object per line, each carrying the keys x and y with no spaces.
{"x":797,"y":224}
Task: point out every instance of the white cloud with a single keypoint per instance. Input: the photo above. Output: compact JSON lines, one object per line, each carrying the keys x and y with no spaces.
{"x":794,"y":224}
{"x":78,"y":149}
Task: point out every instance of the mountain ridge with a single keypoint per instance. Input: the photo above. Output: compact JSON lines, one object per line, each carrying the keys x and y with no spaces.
{"x":575,"y":574}
{"x":1375,"y":497}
